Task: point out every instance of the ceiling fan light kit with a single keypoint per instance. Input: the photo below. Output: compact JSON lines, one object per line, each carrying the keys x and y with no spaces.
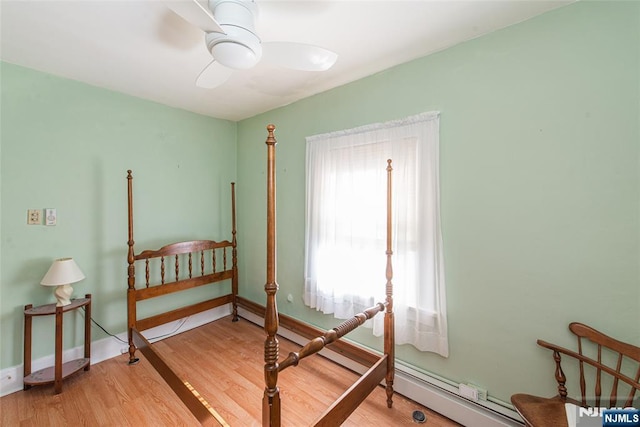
{"x":234,"y":44}
{"x":239,"y":47}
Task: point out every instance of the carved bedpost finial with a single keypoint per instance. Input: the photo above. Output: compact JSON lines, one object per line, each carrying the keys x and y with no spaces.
{"x":271,"y":139}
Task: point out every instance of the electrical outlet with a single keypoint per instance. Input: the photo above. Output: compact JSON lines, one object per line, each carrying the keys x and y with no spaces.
{"x":482,"y":393}
{"x":33,"y":216}
{"x":468,"y":392}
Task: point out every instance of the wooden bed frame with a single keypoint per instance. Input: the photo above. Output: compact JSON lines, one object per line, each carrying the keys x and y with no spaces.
{"x":382,"y":366}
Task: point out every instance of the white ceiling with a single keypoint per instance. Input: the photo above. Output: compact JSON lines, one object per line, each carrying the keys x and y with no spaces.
{"x":141,"y":48}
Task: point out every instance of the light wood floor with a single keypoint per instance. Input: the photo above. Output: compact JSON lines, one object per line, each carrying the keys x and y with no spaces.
{"x":223,"y":362}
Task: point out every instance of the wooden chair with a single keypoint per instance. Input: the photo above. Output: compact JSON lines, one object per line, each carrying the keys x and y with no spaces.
{"x":619,"y":361}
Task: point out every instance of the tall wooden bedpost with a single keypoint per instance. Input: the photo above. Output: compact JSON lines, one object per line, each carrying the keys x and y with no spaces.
{"x":389,"y":338}
{"x":131,"y":280}
{"x":234,"y":254}
{"x":271,"y":399}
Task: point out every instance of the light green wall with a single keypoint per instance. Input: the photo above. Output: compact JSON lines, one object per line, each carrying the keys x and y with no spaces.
{"x":540,"y":187}
{"x":540,"y":182}
{"x":68,"y":146}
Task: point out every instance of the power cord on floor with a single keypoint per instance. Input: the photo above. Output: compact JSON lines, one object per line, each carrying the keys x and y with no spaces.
{"x":107,"y":332}
{"x":177,"y":328}
{"x":170,"y":333}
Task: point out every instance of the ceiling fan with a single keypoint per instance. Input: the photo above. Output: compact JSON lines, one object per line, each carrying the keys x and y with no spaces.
{"x":230,"y":36}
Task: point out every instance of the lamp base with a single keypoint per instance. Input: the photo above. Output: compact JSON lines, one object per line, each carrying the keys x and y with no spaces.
{"x":63,"y":295}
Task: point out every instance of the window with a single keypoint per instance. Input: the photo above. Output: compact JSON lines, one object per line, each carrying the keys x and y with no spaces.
{"x":346,"y":227}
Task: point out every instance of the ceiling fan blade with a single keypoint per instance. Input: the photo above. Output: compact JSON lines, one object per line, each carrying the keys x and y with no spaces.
{"x":196,"y":13}
{"x":213,"y":75}
{"x":298,"y":56}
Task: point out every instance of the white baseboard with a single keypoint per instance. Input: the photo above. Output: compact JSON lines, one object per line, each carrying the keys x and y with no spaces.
{"x":11,"y":378}
{"x":421,"y":388}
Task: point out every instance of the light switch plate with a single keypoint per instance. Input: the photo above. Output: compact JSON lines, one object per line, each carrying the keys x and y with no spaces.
{"x":50,"y":216}
{"x":33,"y":216}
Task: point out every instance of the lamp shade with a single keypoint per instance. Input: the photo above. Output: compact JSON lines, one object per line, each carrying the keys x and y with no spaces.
{"x":62,"y":272}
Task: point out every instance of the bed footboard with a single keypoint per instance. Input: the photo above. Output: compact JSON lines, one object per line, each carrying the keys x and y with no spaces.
{"x":344,"y":406}
{"x":383,"y":369}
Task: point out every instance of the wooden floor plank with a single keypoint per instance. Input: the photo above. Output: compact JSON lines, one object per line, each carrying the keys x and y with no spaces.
{"x":223,"y":362}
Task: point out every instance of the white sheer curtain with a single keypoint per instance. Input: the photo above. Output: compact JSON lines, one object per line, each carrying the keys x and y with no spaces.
{"x":346,"y":227}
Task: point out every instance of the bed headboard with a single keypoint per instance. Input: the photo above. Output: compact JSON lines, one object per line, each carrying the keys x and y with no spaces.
{"x":177,"y":267}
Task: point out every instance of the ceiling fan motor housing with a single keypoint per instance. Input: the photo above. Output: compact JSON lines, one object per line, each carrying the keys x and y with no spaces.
{"x":240,"y":47}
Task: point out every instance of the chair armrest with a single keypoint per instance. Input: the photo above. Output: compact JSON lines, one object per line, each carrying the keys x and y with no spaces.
{"x":588,"y":360}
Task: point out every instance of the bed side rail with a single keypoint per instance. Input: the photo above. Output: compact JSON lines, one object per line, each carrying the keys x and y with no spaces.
{"x":200,"y":408}
{"x":344,"y":406}
{"x":317,"y":344}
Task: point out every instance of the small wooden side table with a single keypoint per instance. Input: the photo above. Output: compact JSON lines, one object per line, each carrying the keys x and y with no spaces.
{"x":55,"y":374}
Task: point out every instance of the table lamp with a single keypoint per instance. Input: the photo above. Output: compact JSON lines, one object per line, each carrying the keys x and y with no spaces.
{"x":61,"y":274}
